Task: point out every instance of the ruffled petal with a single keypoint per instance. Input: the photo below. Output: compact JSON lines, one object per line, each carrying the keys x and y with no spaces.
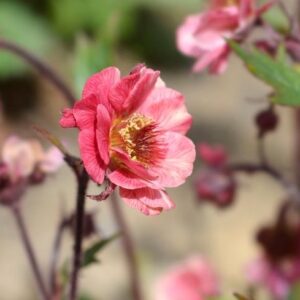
{"x":178,"y":163}
{"x":67,"y":119}
{"x":133,"y":89}
{"x":146,"y":200}
{"x":92,"y":161}
{"x":126,"y":179}
{"x":100,"y":83}
{"x":166,"y":107}
{"x":84,"y":112}
{"x":135,"y":167}
{"x":102,"y":132}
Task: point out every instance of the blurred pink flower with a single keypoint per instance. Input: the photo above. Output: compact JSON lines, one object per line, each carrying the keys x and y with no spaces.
{"x":23,"y":157}
{"x":24,"y":162}
{"x":214,"y":156}
{"x":132,"y":130}
{"x":203,"y":36}
{"x":277,"y":278}
{"x":192,"y":280}
{"x":216,"y":186}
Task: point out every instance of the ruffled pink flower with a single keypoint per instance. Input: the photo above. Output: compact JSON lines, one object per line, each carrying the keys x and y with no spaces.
{"x":132,"y":130}
{"x":203,"y":36}
{"x":23,"y":157}
{"x":277,"y":278}
{"x":193,"y":280}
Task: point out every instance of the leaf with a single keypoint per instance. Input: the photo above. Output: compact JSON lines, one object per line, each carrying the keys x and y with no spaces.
{"x":294,"y":293}
{"x":277,"y":19}
{"x":89,"y":58}
{"x":283,"y":78}
{"x":21,"y":25}
{"x":44,"y":133}
{"x":89,"y":256}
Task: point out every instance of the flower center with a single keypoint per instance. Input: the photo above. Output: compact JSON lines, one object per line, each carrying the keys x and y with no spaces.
{"x":138,"y":137}
{"x":231,"y":2}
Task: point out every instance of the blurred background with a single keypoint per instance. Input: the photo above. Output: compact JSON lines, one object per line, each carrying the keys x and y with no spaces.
{"x":78,"y":38}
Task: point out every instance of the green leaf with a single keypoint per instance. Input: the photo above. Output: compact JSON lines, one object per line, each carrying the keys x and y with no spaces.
{"x":294,"y":292}
{"x":90,"y":57}
{"x":21,"y":25}
{"x":89,"y":256}
{"x":277,"y":19}
{"x":283,"y":78}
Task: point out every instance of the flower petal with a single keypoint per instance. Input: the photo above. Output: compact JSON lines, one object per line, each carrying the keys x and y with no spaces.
{"x":178,"y":163}
{"x":67,"y":119}
{"x":146,"y":200}
{"x":133,"y":89}
{"x":166,"y":107}
{"x":92,"y":161}
{"x":52,"y":160}
{"x":84,"y":112}
{"x":102,"y":132}
{"x":100,"y":83}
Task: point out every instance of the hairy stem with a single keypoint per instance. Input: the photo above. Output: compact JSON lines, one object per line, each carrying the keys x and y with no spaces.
{"x":82,"y":181}
{"x":40,"y":66}
{"x":128,"y":248}
{"x":15,"y":209}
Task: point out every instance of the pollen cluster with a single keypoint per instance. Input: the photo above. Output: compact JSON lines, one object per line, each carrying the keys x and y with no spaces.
{"x":137,"y":136}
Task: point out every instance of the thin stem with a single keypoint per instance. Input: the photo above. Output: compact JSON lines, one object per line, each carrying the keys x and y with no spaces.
{"x":82,"y":179}
{"x":55,"y":254}
{"x":297,"y":146}
{"x":251,"y":168}
{"x":128,"y":248}
{"x":40,"y":66}
{"x":29,"y":250}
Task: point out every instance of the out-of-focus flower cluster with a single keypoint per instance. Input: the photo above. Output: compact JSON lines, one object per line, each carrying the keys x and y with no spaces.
{"x":193,"y":279}
{"x":215,"y":183}
{"x":278,"y":268}
{"x":24,"y":163}
{"x":203,"y":36}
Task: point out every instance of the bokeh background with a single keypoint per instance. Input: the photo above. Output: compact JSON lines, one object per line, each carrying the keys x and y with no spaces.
{"x":78,"y":38}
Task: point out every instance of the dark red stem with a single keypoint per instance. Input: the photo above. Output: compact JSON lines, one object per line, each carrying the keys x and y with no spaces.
{"x":40,"y":66}
{"x":128,"y":248}
{"x":82,"y":181}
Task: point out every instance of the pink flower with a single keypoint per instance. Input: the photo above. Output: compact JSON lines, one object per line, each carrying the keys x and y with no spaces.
{"x":23,"y":157}
{"x":192,"y":280}
{"x":131,"y":129}
{"x":203,"y":36}
{"x":216,"y":186}
{"x":277,"y":278}
{"x":214,"y":156}
{"x":24,"y":162}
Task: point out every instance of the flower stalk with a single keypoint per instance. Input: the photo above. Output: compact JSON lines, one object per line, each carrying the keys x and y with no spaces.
{"x":40,"y":66}
{"x":82,"y":184}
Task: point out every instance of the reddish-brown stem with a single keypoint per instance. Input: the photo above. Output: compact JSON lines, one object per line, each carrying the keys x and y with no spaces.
{"x":40,"y":66}
{"x":16,"y":212}
{"x":82,"y":181}
{"x":128,"y":248}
